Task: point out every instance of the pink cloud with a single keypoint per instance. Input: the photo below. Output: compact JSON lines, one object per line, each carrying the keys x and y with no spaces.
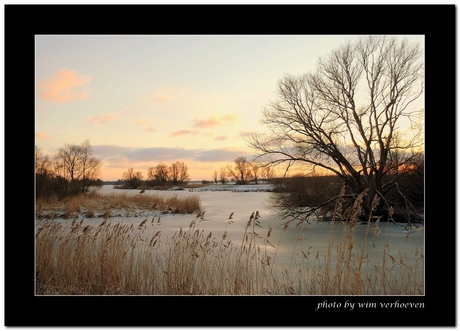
{"x":210,"y":122}
{"x":102,"y":119}
{"x":41,"y":135}
{"x":215,"y":120}
{"x":221,"y":138}
{"x":184,"y":133}
{"x":63,"y":86}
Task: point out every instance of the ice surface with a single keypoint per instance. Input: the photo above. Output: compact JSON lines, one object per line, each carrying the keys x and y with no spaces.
{"x":219,"y":201}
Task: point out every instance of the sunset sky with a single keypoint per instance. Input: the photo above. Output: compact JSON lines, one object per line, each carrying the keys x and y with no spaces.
{"x":142,"y":100}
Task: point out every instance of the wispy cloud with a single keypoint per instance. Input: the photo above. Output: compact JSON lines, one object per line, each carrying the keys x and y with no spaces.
{"x":102,"y":119}
{"x":41,"y":135}
{"x":221,"y":138}
{"x":216,"y":120}
{"x":63,"y":86}
{"x":185,"y":132}
{"x":147,"y":124}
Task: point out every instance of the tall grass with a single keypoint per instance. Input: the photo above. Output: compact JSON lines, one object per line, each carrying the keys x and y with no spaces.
{"x":73,"y":258}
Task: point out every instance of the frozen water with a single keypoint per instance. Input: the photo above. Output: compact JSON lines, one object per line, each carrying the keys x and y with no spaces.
{"x":219,"y":201}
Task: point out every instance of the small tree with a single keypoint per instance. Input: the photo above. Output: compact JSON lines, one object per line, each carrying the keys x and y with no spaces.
{"x":223,"y":176}
{"x":255,"y":167}
{"x":151,"y":176}
{"x":161,"y":173}
{"x":241,"y":171}
{"x":132,"y":179}
{"x":177,"y":173}
{"x":183,"y":172}
{"x":174,"y":173}
{"x":268,"y":173}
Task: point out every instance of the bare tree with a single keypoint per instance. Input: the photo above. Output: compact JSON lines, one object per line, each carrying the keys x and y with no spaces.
{"x":223,"y":176}
{"x":151,"y":176}
{"x":42,"y":163}
{"x":183,"y":172}
{"x":43,"y":174}
{"x":161,"y":173}
{"x":268,"y":173}
{"x":255,"y":167}
{"x":344,"y":117}
{"x":76,"y":169}
{"x":241,"y":171}
{"x":174,"y":173}
{"x":132,"y":178}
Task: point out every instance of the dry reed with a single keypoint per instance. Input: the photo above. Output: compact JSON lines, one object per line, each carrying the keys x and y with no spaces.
{"x":117,"y":204}
{"x":74,"y":258}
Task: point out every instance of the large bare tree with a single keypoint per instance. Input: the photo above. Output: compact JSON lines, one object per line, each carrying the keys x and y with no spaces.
{"x":347,"y":116}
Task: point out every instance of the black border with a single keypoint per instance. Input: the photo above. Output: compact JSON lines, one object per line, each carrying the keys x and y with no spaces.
{"x":22,"y":22}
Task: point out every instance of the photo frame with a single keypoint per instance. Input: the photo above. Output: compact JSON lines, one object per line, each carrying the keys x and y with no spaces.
{"x":23,"y":22}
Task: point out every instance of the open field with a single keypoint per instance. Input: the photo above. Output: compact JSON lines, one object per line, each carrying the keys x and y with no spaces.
{"x":151,"y":252}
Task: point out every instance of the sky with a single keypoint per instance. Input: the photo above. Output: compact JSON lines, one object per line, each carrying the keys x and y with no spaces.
{"x":146,"y":99}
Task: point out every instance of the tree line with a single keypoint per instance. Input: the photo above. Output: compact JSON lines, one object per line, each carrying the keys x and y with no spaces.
{"x":244,"y":172}
{"x":241,"y":173}
{"x":160,"y":175}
